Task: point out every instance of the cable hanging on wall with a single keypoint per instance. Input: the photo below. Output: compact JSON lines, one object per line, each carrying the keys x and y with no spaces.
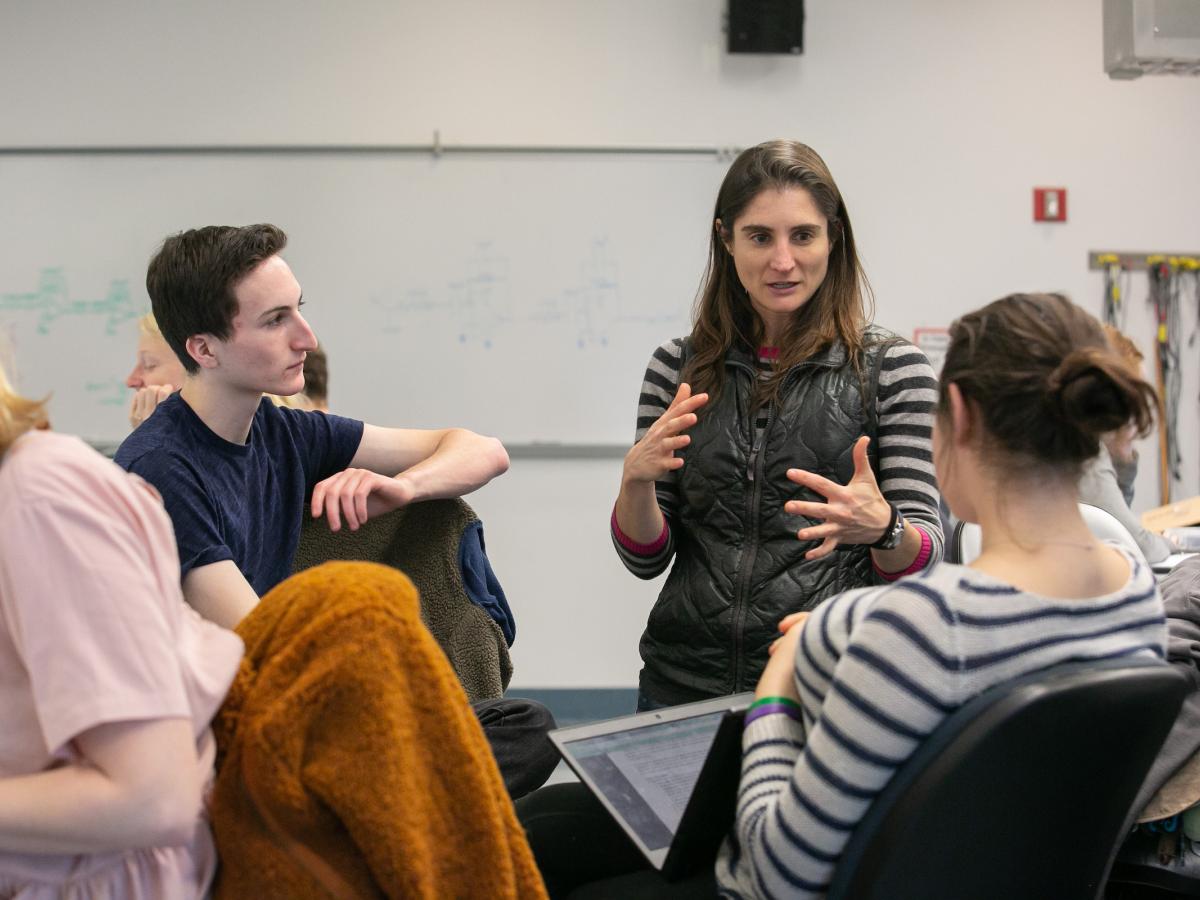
{"x":1116,"y":287}
{"x":1193,"y":265}
{"x":1164,"y":297}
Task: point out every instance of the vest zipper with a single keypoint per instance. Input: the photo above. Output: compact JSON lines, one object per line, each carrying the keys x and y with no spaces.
{"x":754,"y":473}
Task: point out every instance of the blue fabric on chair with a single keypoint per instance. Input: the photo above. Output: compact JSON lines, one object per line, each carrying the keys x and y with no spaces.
{"x":481,"y":583}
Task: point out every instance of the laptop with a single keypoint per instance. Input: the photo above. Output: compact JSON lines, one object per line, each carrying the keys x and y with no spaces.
{"x":669,"y":777}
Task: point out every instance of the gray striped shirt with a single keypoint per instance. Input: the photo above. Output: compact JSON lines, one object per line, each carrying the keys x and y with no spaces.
{"x":905,"y":401}
{"x":878,"y":669}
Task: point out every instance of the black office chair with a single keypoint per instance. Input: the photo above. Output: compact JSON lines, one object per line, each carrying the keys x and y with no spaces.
{"x":1024,"y":792}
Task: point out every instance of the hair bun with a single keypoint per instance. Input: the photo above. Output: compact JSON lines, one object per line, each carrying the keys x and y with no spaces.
{"x":1088,"y":391}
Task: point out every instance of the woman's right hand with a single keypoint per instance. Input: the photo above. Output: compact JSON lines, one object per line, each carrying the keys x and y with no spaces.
{"x":145,"y":401}
{"x":654,"y":455}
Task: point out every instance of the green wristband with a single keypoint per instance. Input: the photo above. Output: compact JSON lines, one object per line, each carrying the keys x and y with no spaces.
{"x":787,"y":701}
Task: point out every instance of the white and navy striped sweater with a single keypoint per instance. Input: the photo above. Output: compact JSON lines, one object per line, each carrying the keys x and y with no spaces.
{"x":877,"y":669}
{"x":905,"y":401}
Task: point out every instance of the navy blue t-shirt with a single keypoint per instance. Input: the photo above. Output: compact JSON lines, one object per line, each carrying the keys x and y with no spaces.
{"x":243,"y":502}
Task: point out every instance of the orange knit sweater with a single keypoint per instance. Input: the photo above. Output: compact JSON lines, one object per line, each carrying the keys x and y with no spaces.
{"x":351,"y":764}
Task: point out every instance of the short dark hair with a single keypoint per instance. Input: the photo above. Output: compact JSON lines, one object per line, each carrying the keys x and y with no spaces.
{"x":1046,"y":381}
{"x":316,"y":376}
{"x":192,"y":277}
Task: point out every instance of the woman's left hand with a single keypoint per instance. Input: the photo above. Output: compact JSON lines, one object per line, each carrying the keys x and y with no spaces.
{"x":853,"y":513}
{"x":778,"y":678}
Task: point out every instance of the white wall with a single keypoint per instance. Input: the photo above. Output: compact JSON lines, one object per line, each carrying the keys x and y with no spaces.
{"x":938,"y":118}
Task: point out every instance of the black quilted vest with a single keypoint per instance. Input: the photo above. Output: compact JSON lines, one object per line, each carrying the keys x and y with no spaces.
{"x":739,"y":567}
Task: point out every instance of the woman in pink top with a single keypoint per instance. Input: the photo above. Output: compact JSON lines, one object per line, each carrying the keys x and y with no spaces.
{"x":108,"y":680}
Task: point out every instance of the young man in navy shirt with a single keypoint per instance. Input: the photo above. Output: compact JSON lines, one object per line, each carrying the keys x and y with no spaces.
{"x":234,"y":469}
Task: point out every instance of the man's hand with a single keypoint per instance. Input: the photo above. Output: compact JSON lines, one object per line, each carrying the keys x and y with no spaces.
{"x":358,"y":495}
{"x":854,"y":513}
{"x":146,"y":400}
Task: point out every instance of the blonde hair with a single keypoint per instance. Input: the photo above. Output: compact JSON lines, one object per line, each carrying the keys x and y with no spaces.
{"x":18,"y":415}
{"x":295,"y":401}
{"x":149,"y":325}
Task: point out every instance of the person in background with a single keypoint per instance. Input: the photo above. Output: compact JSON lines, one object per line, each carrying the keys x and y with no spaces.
{"x":316,"y":379}
{"x":237,"y":472}
{"x":1168,"y":803}
{"x":1108,"y":480}
{"x":782,"y":450}
{"x":156,"y":374}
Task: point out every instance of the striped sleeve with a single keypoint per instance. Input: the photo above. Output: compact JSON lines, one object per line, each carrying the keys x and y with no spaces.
{"x":658,"y":390}
{"x":802,"y":795}
{"x":659,"y":385}
{"x":905,"y":403}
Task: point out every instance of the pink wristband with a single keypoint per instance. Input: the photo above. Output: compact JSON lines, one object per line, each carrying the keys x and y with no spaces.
{"x":917,"y":564}
{"x":633,"y":546}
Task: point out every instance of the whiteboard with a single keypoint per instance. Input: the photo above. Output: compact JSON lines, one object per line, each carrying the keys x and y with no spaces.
{"x":519,"y":295}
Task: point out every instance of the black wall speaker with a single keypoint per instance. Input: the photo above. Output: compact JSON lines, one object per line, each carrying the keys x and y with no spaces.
{"x":766,"y":26}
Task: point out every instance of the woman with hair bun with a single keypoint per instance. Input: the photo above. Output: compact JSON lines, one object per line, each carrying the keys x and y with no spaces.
{"x":851,"y":690}
{"x":1028,"y":389}
{"x":782,"y":450}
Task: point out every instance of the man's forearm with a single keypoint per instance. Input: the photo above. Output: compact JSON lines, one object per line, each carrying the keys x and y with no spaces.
{"x":462,"y":462}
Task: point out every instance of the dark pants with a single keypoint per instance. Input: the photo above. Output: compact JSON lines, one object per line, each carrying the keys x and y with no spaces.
{"x":584,"y":855}
{"x":517,"y":730}
{"x":645,"y":702}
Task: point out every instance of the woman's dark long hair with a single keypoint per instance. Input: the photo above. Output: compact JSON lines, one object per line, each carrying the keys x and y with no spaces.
{"x":724,"y":318}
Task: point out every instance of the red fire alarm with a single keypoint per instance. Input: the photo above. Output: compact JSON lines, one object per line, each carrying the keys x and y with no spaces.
{"x":1049,"y":204}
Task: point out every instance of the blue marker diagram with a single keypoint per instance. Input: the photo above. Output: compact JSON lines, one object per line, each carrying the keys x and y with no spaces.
{"x":480,"y":307}
{"x":51,"y":300}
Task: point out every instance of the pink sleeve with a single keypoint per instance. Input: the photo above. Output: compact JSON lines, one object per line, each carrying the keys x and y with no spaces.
{"x":86,"y":611}
{"x":922,"y":559}
{"x":651,"y":549}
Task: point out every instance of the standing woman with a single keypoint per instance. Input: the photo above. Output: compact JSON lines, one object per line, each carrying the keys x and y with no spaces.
{"x":783,"y":448}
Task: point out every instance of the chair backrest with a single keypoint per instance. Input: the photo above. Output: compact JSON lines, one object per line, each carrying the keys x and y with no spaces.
{"x":422,"y":541}
{"x":1108,"y":527}
{"x":1025,"y":791}
{"x":967,"y":541}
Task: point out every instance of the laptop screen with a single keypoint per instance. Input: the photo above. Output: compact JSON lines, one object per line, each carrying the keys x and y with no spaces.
{"x":647,"y":773}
